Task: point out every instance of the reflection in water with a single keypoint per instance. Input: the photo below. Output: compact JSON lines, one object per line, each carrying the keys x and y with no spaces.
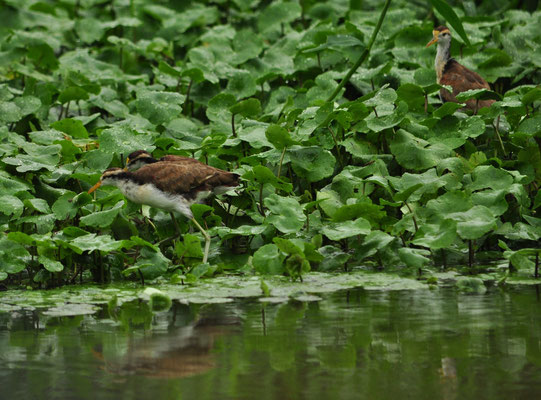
{"x":356,"y":344}
{"x":185,"y":351}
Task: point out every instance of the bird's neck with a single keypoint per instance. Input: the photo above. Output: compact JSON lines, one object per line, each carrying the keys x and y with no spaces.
{"x":442,"y":57}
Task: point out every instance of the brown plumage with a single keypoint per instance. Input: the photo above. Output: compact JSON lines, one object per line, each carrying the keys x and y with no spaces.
{"x":454,"y":74}
{"x":188,"y":179}
{"x":139,"y":158}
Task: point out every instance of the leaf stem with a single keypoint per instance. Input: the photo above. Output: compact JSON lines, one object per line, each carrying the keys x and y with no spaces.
{"x":364,"y":54}
{"x":261,"y":211}
{"x":413,"y":217}
{"x":497,"y":130}
{"x":187,"y":101}
{"x":336,"y":145}
{"x":281,"y":161}
{"x":233,"y":125}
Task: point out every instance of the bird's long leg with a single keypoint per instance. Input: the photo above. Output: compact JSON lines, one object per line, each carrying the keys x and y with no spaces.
{"x":207,"y":239}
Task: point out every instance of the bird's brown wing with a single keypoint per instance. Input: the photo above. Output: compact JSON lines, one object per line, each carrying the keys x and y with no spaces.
{"x":180,"y":159}
{"x":462,"y":79}
{"x":184,"y":178}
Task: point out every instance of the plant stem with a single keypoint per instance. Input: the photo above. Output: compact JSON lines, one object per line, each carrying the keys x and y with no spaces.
{"x":187,"y":101}
{"x":536,"y":273}
{"x":364,"y":54}
{"x":261,"y":211}
{"x":233,"y":125}
{"x":336,"y":145}
{"x":497,"y":130}
{"x":413,"y":217}
{"x":470,"y":253}
{"x":281,"y":161}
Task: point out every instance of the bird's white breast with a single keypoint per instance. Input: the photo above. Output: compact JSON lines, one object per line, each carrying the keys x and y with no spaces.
{"x":151,"y":195}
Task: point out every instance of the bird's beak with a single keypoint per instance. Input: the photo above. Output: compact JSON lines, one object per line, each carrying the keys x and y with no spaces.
{"x":434,"y":40}
{"x":127,"y":163}
{"x":97,"y":185}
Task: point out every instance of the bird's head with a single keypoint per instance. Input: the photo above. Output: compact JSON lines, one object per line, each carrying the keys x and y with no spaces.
{"x":109,"y":177}
{"x":442,"y":35}
{"x":137,"y":159}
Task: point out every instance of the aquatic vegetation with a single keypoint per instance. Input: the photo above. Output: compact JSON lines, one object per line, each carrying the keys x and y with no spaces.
{"x":341,"y":167}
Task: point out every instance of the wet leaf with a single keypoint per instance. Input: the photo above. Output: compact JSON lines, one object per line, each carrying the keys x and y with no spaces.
{"x":122,"y":140}
{"x":279,"y":137}
{"x":286,"y":213}
{"x":92,"y":242}
{"x":343,"y":230}
{"x":415,"y":153}
{"x":102,"y":219}
{"x":11,"y":206}
{"x":247,"y":108}
{"x":312,"y":162}
{"x":268,"y":260}
{"x":414,"y":258}
{"x":71,"y":127}
{"x":50,"y":265}
{"x":159,"y":107}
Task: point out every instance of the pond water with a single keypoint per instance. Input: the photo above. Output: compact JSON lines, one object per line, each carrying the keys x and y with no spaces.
{"x":362,"y":344}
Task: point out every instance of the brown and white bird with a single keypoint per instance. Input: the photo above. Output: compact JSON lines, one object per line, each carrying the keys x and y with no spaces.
{"x":451,"y":73}
{"x":171,"y":187}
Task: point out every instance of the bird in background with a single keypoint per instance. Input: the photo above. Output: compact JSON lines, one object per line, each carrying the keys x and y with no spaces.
{"x":170,"y":186}
{"x":452,"y":73}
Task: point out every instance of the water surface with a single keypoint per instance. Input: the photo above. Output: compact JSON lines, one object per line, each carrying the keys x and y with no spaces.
{"x":353,"y":344}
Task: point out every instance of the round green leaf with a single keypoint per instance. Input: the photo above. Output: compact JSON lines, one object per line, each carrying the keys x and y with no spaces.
{"x":279,"y":137}
{"x":312,"y":162}
{"x":50,"y":265}
{"x":286,"y":213}
{"x":343,"y":230}
{"x":247,"y":108}
{"x":268,"y":260}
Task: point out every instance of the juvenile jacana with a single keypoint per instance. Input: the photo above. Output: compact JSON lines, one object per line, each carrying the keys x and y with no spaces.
{"x":171,"y":187}
{"x":451,"y":73}
{"x":139,"y":158}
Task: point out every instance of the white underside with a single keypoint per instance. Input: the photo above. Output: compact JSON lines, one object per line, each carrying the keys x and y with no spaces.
{"x":150,"y":195}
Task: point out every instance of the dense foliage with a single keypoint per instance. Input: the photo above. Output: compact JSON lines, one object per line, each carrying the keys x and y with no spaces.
{"x":382,"y":176}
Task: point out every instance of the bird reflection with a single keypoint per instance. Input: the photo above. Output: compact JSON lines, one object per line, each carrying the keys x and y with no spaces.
{"x":183,"y":352}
